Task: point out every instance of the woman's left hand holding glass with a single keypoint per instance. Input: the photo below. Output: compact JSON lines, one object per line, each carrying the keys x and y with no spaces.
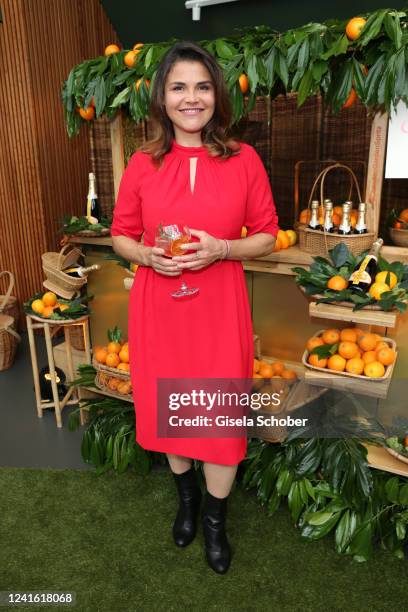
{"x":204,"y":252}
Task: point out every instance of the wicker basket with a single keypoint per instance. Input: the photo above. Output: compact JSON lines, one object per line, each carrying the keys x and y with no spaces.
{"x":319,"y":242}
{"x":101,"y":382}
{"x":62,"y":284}
{"x":9,"y":339}
{"x":399,"y":236}
{"x":77,"y":337}
{"x":8,"y":302}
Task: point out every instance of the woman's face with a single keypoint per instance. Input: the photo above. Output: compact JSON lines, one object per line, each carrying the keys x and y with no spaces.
{"x":189,"y":97}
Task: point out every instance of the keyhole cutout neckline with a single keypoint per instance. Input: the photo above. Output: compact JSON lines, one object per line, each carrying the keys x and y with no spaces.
{"x":193,"y":172}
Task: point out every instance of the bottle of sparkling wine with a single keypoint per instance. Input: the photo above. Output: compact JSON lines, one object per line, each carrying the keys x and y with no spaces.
{"x":314,"y":216}
{"x":364,"y":274}
{"x":93,"y":212}
{"x":361,"y":226}
{"x":328,"y":216}
{"x":345,"y":225}
{"x":81,"y":271}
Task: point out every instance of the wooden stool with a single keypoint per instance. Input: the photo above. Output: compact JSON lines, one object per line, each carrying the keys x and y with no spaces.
{"x":50,"y":328}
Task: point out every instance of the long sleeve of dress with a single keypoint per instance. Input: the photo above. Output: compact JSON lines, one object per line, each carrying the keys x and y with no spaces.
{"x":127,"y":214}
{"x":260,"y":207}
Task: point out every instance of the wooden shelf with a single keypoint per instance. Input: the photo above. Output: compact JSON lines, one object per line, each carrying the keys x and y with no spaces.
{"x":380,"y":459}
{"x":107,"y":394}
{"x":342,"y":313}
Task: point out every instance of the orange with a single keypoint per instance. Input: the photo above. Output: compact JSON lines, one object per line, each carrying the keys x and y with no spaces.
{"x":87,"y":113}
{"x":386,"y":277}
{"x":348,"y":334}
{"x":377,"y":289}
{"x":375,"y":369}
{"x":278,"y":368}
{"x":49,"y":299}
{"x":289,"y":374}
{"x":403,"y":216}
{"x":367,"y":342}
{"x":337,"y":283}
{"x":386,"y":356}
{"x":110,"y":49}
{"x":348,"y":350}
{"x":257,"y":365}
{"x":114,"y":383}
{"x":397,"y":225}
{"x":380,"y":345}
{"x":112,"y":360}
{"x":291,"y":234}
{"x":47,"y":312}
{"x":123,"y":366}
{"x":124,"y":388}
{"x":358,"y":331}
{"x":352,"y":97}
{"x":139,"y":82}
{"x":124,"y":354}
{"x":130,"y":58}
{"x":378,"y":337}
{"x":369,"y":357}
{"x":315,"y":361}
{"x":137,"y":47}
{"x":100,"y":354}
{"x":278,"y":245}
{"x":331,"y":336}
{"x":266,"y":370}
{"x":336,"y":362}
{"x":355,"y":366}
{"x":338,"y":210}
{"x":244,"y":232}
{"x":38,"y":306}
{"x":354,"y":27}
{"x":243,"y":83}
{"x":284,"y":240}
{"x":114,"y":347}
{"x":313,"y":342}
{"x":304,"y":216}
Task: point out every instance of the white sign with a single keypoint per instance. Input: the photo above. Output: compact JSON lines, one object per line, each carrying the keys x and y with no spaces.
{"x":396,"y":165}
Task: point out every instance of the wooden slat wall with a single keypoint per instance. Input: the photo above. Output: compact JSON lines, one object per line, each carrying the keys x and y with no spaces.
{"x":43,"y":174}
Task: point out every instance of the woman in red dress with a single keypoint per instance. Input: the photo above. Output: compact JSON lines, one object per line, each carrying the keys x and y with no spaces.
{"x":192,"y":171}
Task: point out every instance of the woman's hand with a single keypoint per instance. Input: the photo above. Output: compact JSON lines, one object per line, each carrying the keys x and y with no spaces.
{"x":163,"y":265}
{"x":208,"y":250}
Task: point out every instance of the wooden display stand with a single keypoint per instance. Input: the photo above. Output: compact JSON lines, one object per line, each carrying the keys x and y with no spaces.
{"x":50,"y":328}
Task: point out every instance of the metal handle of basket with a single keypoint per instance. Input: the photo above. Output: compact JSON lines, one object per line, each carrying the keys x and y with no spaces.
{"x":9,"y":290}
{"x":322,"y":175}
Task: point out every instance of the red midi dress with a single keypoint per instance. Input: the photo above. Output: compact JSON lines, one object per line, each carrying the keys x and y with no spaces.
{"x":209,"y":336}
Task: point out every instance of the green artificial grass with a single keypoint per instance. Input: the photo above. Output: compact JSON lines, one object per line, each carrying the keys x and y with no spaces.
{"x":108,"y":538}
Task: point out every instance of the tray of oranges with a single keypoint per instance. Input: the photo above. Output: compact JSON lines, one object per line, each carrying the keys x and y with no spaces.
{"x":114,"y":357}
{"x":352,"y":353}
{"x":115,"y":386}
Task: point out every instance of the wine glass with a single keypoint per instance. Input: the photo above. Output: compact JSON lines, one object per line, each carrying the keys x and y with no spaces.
{"x":170,"y":238}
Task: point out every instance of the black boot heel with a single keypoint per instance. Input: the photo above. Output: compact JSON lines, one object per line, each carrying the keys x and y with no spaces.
{"x":185,"y":525}
{"x":217,"y":548}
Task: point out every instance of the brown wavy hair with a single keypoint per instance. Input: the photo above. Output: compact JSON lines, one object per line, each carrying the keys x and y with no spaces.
{"x":215,"y":134}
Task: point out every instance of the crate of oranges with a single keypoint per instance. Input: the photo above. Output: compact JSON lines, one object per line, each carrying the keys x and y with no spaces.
{"x":351,"y":353}
{"x":114,"y":357}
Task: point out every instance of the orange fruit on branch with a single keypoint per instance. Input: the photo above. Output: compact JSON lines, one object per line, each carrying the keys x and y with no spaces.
{"x":377,"y":289}
{"x":137,"y":47}
{"x":386,"y":277}
{"x":130,"y":58}
{"x":47,"y":312}
{"x":243,"y":83}
{"x":110,"y":49}
{"x":354,"y":27}
{"x":38,"y":306}
{"x":352,"y":97}
{"x":140,"y":81}
{"x":87,"y":113}
{"x":337,"y":283}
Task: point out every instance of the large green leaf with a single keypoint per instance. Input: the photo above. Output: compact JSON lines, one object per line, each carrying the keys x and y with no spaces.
{"x":392,"y":26}
{"x":372,"y":27}
{"x":224,"y":50}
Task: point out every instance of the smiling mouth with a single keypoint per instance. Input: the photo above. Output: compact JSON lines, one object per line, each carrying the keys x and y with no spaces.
{"x":191,"y":111}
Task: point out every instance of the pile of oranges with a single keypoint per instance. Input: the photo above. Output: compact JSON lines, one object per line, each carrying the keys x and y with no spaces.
{"x":285,"y":239}
{"x":263,"y":369}
{"x":45,"y":306}
{"x":357,"y":352}
{"x":114,"y":355}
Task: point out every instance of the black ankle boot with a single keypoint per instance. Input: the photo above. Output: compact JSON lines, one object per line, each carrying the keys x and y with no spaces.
{"x":185,"y":525}
{"x":217,"y":548}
